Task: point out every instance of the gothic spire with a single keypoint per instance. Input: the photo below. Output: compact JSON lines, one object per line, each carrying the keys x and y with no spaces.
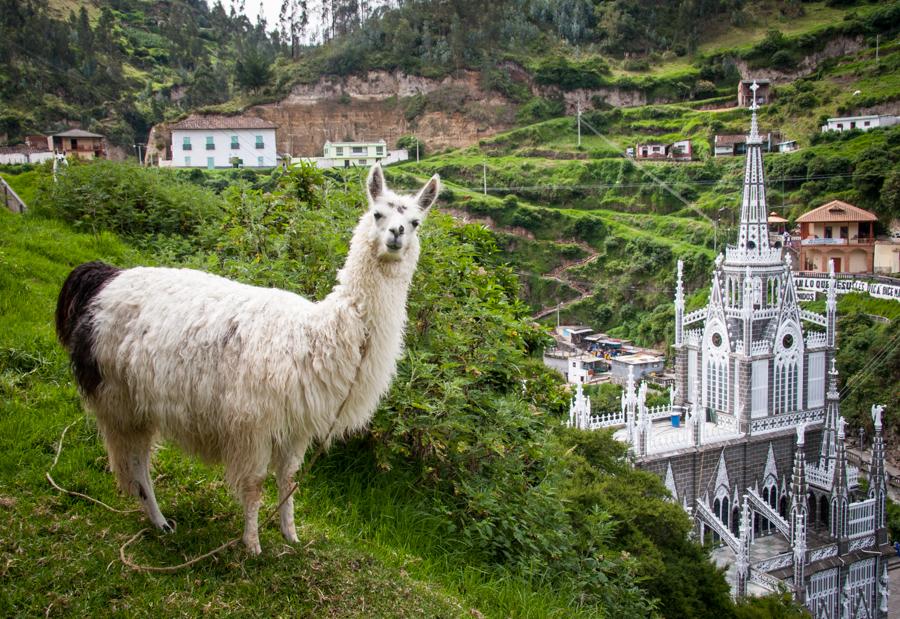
{"x":832,"y":414}
{"x":753,"y":236}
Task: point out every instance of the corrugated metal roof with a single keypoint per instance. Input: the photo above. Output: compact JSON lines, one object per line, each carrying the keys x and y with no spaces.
{"x":77,"y":133}
{"x":223,"y":122}
{"x":836,"y":210}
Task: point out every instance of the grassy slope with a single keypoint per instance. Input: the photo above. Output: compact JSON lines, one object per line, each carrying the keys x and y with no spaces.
{"x":368,"y":548}
{"x":61,"y":553}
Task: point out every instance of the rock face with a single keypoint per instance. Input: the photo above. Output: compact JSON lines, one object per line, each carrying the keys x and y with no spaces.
{"x":841,"y":46}
{"x":377,"y":105}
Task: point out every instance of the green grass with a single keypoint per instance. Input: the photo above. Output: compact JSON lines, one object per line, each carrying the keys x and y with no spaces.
{"x":24,"y":184}
{"x":368,"y":548}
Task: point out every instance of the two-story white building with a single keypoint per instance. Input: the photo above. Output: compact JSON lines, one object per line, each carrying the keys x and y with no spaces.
{"x":863,"y":123}
{"x":349,"y":154}
{"x":220,"y":141}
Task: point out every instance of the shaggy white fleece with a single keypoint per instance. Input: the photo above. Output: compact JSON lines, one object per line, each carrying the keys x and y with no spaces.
{"x":246,"y":375}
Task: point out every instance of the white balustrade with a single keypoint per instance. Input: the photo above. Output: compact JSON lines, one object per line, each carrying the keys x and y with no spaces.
{"x":815,"y":339}
{"x":862,"y":518}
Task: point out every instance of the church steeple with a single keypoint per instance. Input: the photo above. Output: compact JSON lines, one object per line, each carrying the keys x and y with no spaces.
{"x":753,"y":236}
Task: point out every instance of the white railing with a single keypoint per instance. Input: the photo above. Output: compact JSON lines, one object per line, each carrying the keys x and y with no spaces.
{"x":788,"y":420}
{"x":821,"y":478}
{"x":606,"y":420}
{"x":759,"y":505}
{"x":862,"y":518}
{"x":765,"y":581}
{"x":862,"y":542}
{"x":670,"y":442}
{"x":694,"y":336}
{"x":824,"y":477}
{"x":760,"y":348}
{"x":711,"y":520}
{"x":727,"y":422}
{"x":663,"y":411}
{"x":825,"y":552}
{"x":736,"y":254}
{"x":692,"y":317}
{"x":814,"y":318}
{"x":785,"y":559}
{"x":814,"y":340}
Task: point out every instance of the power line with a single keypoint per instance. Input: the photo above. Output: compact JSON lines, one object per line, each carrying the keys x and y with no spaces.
{"x":735,"y":183}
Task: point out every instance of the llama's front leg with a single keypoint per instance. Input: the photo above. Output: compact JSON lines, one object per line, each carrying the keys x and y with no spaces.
{"x":129,"y":458}
{"x":251,"y":497}
{"x":284,"y":475}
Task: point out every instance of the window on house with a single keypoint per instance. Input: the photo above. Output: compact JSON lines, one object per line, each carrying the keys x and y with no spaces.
{"x":845,"y":232}
{"x":840,"y":126}
{"x":186,"y":144}
{"x":866,"y":124}
{"x":187,"y":162}
{"x":235,"y":143}
{"x":359,"y":150}
{"x":339,"y":151}
{"x":210,"y":143}
{"x":362,"y":162}
{"x":259,"y":161}
{"x":828,"y":233}
{"x":259,"y":142}
{"x":865,"y":230}
{"x":379,"y":150}
{"x":853,"y":125}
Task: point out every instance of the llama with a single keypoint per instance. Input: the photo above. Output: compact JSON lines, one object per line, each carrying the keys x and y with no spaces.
{"x":238,"y":374}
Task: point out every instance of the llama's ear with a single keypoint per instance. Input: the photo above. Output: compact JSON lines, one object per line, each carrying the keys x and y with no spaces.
{"x":429,"y":193}
{"x":375,"y":185}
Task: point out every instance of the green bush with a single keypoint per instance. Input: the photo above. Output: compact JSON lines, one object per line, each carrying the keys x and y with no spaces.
{"x":126,"y":199}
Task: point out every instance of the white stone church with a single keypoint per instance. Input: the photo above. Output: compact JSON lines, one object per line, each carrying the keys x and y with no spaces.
{"x":752,"y":443}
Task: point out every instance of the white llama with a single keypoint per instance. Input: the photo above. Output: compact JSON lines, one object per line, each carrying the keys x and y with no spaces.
{"x":240,"y":374}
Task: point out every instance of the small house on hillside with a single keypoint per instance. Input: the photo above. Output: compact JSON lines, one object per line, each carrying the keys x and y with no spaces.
{"x":677,"y":151}
{"x":863,"y":123}
{"x":80,"y":143}
{"x":733,"y":144}
{"x":216,"y":141}
{"x":351,"y":154}
{"x":639,"y":363}
{"x":837,"y":232}
{"x":745,"y":93}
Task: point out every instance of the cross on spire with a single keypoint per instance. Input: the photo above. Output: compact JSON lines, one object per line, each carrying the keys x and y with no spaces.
{"x":754,"y":127}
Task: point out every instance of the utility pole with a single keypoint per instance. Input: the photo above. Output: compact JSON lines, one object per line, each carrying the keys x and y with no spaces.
{"x":140,"y":159}
{"x":484,"y":175}
{"x":417,"y":150}
{"x":877,"y":41}
{"x":579,"y":124}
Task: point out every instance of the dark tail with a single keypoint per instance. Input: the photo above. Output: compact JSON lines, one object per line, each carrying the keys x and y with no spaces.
{"x":74,"y":320}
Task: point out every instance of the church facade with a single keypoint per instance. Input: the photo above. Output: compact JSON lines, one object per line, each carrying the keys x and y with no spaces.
{"x":752,"y":442}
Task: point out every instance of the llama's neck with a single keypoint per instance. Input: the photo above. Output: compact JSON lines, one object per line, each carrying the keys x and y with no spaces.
{"x":375,"y":289}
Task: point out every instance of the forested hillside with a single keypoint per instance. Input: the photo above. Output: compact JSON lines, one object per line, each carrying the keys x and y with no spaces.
{"x":120,"y":67}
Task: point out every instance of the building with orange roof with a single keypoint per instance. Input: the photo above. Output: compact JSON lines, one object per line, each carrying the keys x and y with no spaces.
{"x":840,"y":232}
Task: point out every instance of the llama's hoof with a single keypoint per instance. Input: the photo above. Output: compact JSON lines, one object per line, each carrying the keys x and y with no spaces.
{"x":168,"y":526}
{"x":253,"y":546}
{"x":290,"y":537}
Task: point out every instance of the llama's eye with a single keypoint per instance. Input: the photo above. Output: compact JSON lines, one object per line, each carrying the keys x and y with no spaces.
{"x":415,"y":223}
{"x":378,"y":216}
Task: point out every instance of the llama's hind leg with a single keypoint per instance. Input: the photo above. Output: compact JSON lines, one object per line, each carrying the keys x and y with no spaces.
{"x":286,"y":468}
{"x":129,"y":457}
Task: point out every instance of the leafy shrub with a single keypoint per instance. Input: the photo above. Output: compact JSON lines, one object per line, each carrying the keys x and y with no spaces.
{"x":538,"y":109}
{"x":126,"y":199}
{"x":570,"y":75}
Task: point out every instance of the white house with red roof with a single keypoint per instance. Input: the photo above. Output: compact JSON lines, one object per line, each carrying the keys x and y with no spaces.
{"x":220,"y":141}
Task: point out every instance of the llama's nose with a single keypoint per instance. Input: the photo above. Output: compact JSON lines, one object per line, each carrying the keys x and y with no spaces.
{"x":397,"y":231}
